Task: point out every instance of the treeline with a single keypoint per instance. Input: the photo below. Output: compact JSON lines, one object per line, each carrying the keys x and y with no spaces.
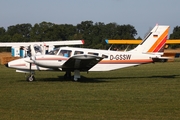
{"x":94,"y":34}
{"x":175,"y":35}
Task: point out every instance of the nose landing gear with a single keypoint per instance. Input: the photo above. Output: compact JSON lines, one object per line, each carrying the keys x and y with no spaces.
{"x":30,"y":78}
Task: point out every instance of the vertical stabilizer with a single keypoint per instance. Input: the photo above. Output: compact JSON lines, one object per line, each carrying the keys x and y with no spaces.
{"x":154,"y":41}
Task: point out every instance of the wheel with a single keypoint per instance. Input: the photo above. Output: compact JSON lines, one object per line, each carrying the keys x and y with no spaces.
{"x":75,"y":79}
{"x":67,"y":75}
{"x":30,"y":78}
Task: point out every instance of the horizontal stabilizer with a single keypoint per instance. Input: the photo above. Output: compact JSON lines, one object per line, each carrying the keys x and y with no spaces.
{"x":160,"y":59}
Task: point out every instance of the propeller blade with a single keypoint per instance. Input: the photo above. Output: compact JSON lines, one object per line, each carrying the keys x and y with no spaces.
{"x":30,"y":67}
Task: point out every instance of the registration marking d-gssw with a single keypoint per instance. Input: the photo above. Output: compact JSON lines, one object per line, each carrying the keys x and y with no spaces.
{"x":120,"y":57}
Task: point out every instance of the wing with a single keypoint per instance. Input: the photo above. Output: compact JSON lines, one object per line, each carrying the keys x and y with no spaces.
{"x":81,"y":62}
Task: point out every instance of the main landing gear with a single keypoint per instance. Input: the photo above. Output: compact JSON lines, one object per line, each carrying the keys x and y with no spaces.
{"x":67,"y":75}
{"x":76,"y":75}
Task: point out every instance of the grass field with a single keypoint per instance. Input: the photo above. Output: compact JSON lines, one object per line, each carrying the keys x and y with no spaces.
{"x":148,"y":92}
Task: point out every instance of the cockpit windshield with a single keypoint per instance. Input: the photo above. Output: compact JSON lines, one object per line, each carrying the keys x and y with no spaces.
{"x":37,"y":49}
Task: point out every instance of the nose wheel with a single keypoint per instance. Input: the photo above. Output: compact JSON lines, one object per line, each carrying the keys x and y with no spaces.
{"x":30,"y":78}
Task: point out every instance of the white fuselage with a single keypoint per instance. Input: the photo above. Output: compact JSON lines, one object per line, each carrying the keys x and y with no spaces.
{"x":111,"y":59}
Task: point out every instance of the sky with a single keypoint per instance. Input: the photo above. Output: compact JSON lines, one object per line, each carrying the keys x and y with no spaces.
{"x":142,"y":14}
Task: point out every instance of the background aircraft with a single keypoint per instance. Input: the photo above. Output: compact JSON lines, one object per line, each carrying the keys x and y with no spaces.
{"x":171,"y":53}
{"x":75,"y":60}
{"x":110,"y":41}
{"x":22,"y":49}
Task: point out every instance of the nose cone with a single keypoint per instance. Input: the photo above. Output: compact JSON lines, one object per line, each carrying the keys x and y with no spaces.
{"x":7,"y":65}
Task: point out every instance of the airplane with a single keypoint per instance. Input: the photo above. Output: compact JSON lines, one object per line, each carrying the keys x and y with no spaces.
{"x":71,"y":59}
{"x":21,"y":49}
{"x":111,"y":41}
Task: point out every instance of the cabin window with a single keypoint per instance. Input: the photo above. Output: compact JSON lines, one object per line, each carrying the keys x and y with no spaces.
{"x":78,"y":52}
{"x":93,"y":53}
{"x":65,"y":53}
{"x":104,"y":56}
{"x":54,"y":52}
{"x":37,"y":49}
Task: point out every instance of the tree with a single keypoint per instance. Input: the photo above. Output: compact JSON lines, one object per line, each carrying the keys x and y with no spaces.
{"x":21,"y":29}
{"x":42,"y":31}
{"x":94,"y":34}
{"x":139,"y":38}
{"x":17,"y":38}
{"x":175,"y":35}
{"x":85,"y":29}
{"x":2,"y":33}
{"x":67,"y":31}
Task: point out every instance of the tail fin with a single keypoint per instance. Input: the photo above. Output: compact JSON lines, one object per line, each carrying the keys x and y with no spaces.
{"x":154,"y":41}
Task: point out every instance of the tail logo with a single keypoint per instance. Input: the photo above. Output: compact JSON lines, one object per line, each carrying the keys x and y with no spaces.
{"x":159,"y":45}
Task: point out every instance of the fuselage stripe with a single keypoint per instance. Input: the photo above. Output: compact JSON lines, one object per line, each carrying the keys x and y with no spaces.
{"x":161,"y":38}
{"x":158,"y":48}
{"x":125,"y":61}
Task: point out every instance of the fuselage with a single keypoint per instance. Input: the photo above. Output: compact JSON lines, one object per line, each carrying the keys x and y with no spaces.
{"x":111,"y":59}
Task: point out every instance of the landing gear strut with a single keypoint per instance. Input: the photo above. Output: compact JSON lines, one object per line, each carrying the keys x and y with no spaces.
{"x":30,"y":78}
{"x":67,"y":75}
{"x":76,"y":75}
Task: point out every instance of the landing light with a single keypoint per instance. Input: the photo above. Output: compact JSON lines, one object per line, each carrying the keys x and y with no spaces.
{"x":97,"y":59}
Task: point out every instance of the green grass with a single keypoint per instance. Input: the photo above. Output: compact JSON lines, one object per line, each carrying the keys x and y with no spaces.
{"x":149,"y":92}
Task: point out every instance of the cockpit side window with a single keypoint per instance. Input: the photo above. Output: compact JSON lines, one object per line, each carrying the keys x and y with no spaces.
{"x":54,"y":52}
{"x":37,"y":49}
{"x":92,"y":53}
{"x":65,"y":53}
{"x":78,"y":52}
{"x":104,"y":56}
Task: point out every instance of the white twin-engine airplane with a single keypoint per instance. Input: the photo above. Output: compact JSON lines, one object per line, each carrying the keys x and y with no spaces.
{"x":70,"y":59}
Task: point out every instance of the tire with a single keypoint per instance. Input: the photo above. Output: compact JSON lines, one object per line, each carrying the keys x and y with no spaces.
{"x":30,"y":78}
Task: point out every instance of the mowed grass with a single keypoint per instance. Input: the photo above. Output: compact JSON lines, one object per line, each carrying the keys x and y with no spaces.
{"x":150,"y":91}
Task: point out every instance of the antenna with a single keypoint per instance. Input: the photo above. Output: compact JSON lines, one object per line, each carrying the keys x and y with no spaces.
{"x":110,"y":47}
{"x":157,"y":26}
{"x":126,"y":48}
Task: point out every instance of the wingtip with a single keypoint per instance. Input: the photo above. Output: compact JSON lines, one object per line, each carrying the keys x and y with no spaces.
{"x":82,"y":41}
{"x":107,"y":41}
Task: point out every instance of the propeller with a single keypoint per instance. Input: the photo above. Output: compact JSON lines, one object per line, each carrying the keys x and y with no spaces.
{"x":30,"y":55}
{"x":32,"y":58}
{"x":30,"y":61}
{"x":30,"y":64}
